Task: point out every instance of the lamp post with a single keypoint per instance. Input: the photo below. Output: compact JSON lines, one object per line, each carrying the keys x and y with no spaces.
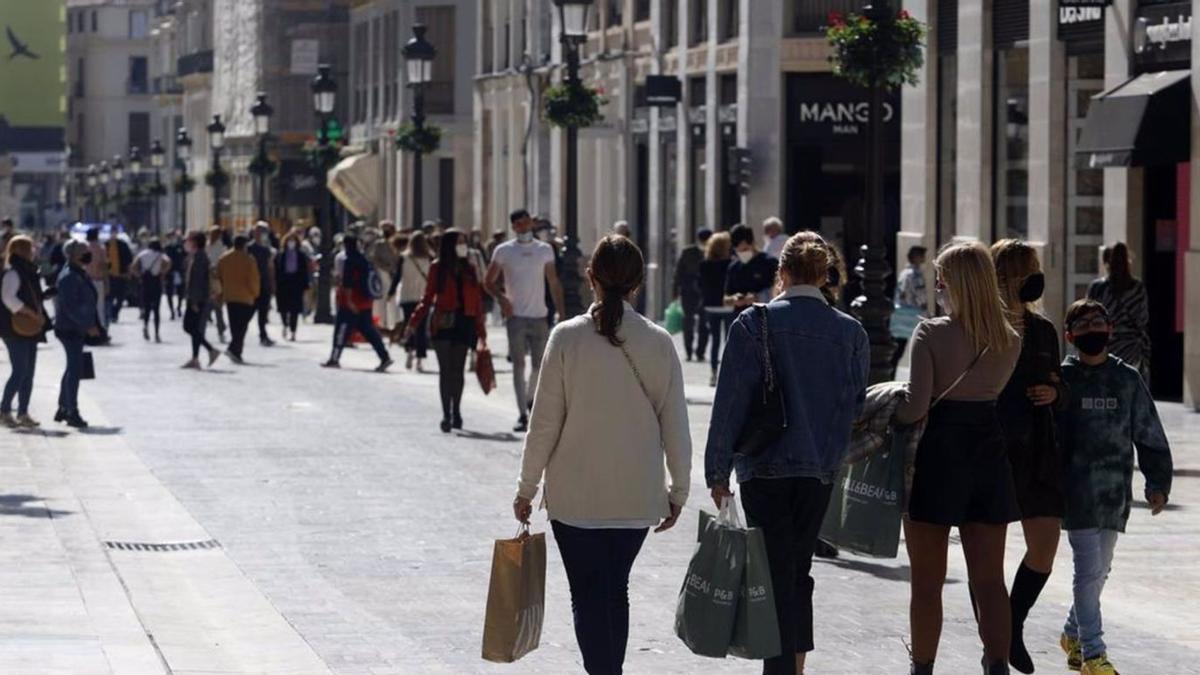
{"x":324,"y":91}
{"x":262,"y":112}
{"x":136,"y":197}
{"x":183,"y":152}
{"x":158,"y":159}
{"x":104,"y":176}
{"x":573,"y":17}
{"x":216,"y":141}
{"x":418,"y":55}
{"x":93,"y":178}
{"x":117,"y":167}
{"x":874,"y":308}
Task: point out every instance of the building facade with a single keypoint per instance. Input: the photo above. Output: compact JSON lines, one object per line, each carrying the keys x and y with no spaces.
{"x":752,"y":75}
{"x":1071,"y":127}
{"x":381,"y":101}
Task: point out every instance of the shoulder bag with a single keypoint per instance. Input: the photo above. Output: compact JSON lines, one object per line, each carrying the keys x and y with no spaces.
{"x":766,"y":421}
{"x":24,"y":325}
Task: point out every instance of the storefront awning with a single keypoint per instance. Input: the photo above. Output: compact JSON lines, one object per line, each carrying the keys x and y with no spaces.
{"x":1146,"y":120}
{"x":355,"y":183}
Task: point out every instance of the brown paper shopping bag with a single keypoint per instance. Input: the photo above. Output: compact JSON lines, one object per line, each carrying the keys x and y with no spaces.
{"x":516,"y":598}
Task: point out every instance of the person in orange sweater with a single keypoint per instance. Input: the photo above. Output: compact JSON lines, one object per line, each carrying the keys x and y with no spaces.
{"x":240,"y":286}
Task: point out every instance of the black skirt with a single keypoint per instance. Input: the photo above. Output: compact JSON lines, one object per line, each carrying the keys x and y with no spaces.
{"x":961,"y":471}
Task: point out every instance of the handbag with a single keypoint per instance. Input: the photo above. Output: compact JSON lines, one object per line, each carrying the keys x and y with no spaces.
{"x":87,"y":367}
{"x":767,"y":420}
{"x":26,"y":326}
{"x":485,"y":371}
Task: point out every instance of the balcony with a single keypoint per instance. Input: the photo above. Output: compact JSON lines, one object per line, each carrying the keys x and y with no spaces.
{"x":167,"y":85}
{"x":196,"y":63}
{"x":137,"y":87}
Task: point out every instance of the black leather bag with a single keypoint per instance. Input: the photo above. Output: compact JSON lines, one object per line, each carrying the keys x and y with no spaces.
{"x":767,"y":419}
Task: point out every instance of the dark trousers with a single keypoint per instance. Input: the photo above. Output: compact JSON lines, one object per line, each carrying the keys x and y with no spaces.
{"x":349,"y":320}
{"x":263,"y":309}
{"x":68,"y":393}
{"x":22,"y":352}
{"x":152,"y":291}
{"x":718,"y":325}
{"x":419,"y":342}
{"x":598,"y":563}
{"x":239,"y":322}
{"x":789,"y":512}
{"x":290,"y":320}
{"x":695,"y":331}
{"x":118,"y":292}
{"x":195,"y":324}
{"x":452,"y":358}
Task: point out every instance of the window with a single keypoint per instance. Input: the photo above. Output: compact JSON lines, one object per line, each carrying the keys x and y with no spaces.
{"x":439,"y":93}
{"x":730,"y":21}
{"x":641,"y":10}
{"x":699,"y":24}
{"x":139,"y":130}
{"x":138,"y":75}
{"x":392,"y":71}
{"x":489,"y":38}
{"x":614,"y":17}
{"x":95,"y":22}
{"x":138,"y":24}
{"x":1012,"y":143}
{"x":670,"y":23}
{"x":80,"y":78}
{"x":358,"y":69}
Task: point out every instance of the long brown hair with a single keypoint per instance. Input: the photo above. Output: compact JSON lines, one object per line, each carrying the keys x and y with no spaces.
{"x":418,"y":245}
{"x":19,"y":242}
{"x":969,"y":276}
{"x":617,"y":270}
{"x":1015,"y":261}
{"x":718,"y":247}
{"x":1120,"y":266}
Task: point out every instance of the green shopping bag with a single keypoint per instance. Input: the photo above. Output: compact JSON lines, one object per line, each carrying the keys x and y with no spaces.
{"x":704,"y":617}
{"x":674,"y":318}
{"x":865,"y":509}
{"x":756,"y":628}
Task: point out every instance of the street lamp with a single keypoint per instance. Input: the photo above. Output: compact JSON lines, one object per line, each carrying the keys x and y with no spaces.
{"x":216,"y":141}
{"x":135,"y":183}
{"x":874,"y":308}
{"x":418,"y":54}
{"x":183,"y":151}
{"x":262,"y":112}
{"x":158,"y":158}
{"x":573,"y":21}
{"x":324,"y":92}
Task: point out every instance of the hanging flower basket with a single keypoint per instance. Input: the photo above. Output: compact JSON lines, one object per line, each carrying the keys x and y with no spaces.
{"x":425,"y":140}
{"x":262,"y":165}
{"x":889,"y":51}
{"x":573,"y":105}
{"x":185,"y":184}
{"x":216,"y":179}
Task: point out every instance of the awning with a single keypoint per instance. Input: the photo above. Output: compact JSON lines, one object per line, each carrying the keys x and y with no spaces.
{"x":355,"y":183}
{"x":1146,"y":120}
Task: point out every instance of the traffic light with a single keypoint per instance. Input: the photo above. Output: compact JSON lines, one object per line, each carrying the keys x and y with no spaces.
{"x":739,"y":171}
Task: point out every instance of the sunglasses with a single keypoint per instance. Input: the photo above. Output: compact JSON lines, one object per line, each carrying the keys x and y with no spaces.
{"x":1089,"y":323}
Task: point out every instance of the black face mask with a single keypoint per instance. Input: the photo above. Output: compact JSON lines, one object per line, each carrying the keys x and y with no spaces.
{"x":1033,"y":288}
{"x":85,"y":259}
{"x":1091,"y":344}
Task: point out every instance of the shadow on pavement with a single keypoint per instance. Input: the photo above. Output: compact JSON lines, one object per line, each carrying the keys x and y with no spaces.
{"x":101,"y":431}
{"x":876,"y":570}
{"x":42,"y":431}
{"x":501,"y":437}
{"x":1169,"y":507}
{"x":1187,"y":473}
{"x":18,"y":505}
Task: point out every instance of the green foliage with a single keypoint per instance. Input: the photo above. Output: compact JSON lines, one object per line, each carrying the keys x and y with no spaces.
{"x":890,"y":51}
{"x":573,"y":105}
{"x":425,"y":140}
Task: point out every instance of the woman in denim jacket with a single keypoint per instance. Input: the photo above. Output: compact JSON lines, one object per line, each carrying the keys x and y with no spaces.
{"x":821,"y":358}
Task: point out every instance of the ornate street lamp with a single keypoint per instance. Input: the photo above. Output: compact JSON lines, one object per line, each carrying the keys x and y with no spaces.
{"x":573,"y":22}
{"x":262,"y":112}
{"x":158,"y":159}
{"x":324,"y":92}
{"x":183,"y":153}
{"x":134,"y":198}
{"x":418,"y":55}
{"x":93,"y":179}
{"x":216,"y":142}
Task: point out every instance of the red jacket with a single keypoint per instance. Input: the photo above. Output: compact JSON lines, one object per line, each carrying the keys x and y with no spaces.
{"x":446,"y":300}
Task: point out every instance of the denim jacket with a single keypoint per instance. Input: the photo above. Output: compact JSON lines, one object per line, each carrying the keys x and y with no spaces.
{"x":75,"y":304}
{"x":822,"y":358}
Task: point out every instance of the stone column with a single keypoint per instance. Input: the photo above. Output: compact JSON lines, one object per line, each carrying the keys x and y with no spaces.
{"x":1191,"y":333}
{"x":1122,"y":186}
{"x":712,"y":122}
{"x":655,"y":235}
{"x":760,"y":106}
{"x":975,"y":83}
{"x":1047,"y":149}
{"x":918,"y":146}
{"x":683,"y":130}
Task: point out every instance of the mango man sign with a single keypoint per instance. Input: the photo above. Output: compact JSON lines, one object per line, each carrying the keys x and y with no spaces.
{"x":33,"y":78}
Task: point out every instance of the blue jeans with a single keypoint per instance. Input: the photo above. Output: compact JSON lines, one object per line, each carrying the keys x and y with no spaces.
{"x":68,"y":394}
{"x":1092,"y":551}
{"x":598,"y":563}
{"x":23,"y":354}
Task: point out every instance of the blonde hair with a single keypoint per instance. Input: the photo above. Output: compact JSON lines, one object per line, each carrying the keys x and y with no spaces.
{"x":18,"y":242}
{"x":1015,"y":262}
{"x":718,"y":247}
{"x":967,"y":272}
{"x":806,"y":259}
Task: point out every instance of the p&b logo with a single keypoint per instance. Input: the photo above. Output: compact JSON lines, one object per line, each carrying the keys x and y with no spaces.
{"x":1099,"y":403}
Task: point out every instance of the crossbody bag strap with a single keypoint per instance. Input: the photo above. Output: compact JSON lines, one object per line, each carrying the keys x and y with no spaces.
{"x":637,"y":374}
{"x":764,"y":340}
{"x":960,"y":378}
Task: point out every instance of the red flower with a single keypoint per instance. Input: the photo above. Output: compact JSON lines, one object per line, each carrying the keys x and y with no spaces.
{"x":836,"y":18}
{"x":903,"y":15}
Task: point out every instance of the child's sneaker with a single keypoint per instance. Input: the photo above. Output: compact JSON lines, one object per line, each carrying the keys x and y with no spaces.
{"x":1098,"y":666}
{"x":1074,"y":652}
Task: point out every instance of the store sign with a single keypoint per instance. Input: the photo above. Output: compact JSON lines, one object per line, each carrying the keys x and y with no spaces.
{"x":1074,"y":16}
{"x":840,"y":117}
{"x":1084,"y":3}
{"x":663,"y":90}
{"x":1163,"y":33}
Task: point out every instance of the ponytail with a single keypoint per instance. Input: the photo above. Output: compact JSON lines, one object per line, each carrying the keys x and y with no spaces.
{"x":617,"y":270}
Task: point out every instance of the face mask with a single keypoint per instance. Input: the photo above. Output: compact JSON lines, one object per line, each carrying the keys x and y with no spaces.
{"x":943,"y":300}
{"x":1033,"y":287}
{"x":461,"y":250}
{"x":544,"y":235}
{"x":524,"y":237}
{"x":745,"y":256}
{"x":1092,"y":344}
{"x":86,"y":258}
{"x":291,"y":245}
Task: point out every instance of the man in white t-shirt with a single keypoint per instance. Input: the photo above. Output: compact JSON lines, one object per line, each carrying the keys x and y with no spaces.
{"x":527,"y":266}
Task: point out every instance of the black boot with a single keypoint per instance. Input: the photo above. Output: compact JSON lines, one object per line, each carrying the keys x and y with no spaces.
{"x":996,"y":668}
{"x":1026,"y":588}
{"x":921,"y":669}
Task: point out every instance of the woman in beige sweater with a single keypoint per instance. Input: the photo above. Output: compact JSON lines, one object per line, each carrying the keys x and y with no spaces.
{"x":609,"y":412}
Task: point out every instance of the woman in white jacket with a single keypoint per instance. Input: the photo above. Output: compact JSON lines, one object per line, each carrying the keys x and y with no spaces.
{"x":609,"y":413}
{"x":414,"y":276}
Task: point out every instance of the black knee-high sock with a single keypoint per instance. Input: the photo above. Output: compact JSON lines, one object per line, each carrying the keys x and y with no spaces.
{"x":1026,"y":588}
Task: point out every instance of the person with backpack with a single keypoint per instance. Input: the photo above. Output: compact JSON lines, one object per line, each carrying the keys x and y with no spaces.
{"x":355,"y":299}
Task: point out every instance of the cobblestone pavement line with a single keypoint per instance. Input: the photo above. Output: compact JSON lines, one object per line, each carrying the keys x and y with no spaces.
{"x":370,"y":532}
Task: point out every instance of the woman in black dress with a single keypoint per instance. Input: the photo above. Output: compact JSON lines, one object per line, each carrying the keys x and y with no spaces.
{"x":1026,"y":409}
{"x":713,"y":270}
{"x":291,"y":281}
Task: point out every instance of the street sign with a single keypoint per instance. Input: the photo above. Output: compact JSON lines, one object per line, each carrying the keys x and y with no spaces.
{"x":663,"y":90}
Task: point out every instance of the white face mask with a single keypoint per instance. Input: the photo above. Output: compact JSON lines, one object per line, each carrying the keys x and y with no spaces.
{"x":745,"y":256}
{"x":461,"y":250}
{"x":524,"y":237}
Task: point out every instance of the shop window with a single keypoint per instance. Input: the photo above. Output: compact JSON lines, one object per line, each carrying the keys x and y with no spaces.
{"x":1012,"y":143}
{"x":1084,"y":194}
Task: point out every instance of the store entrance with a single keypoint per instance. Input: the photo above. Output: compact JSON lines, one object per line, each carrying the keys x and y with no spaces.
{"x":1167,"y":204}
